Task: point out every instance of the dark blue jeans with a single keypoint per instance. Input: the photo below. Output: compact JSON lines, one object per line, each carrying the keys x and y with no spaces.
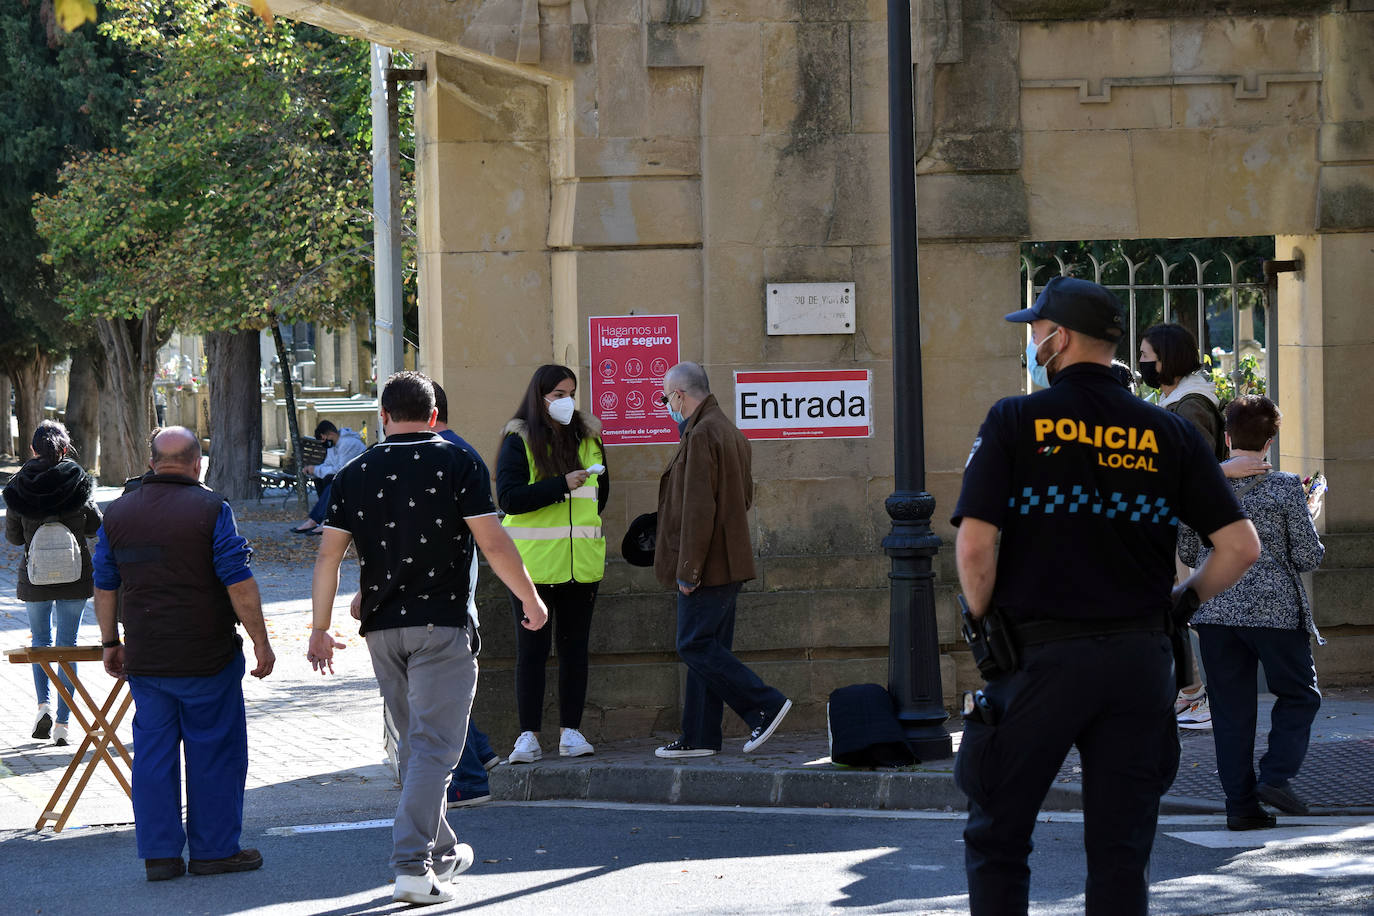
{"x":1231,"y":654}
{"x":1112,"y":696}
{"x":715,"y":678}
{"x":321,"y":507}
{"x":470,"y":775}
{"x":204,"y":718}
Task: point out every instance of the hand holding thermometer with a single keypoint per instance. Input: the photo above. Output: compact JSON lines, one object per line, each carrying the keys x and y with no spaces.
{"x":597,"y":469}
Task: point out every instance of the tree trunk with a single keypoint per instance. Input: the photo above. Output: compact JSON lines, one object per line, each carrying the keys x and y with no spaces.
{"x":30,"y":380}
{"x":6,"y":440}
{"x":83,"y":404}
{"x":292,"y":421}
{"x":126,"y":405}
{"x":235,"y":414}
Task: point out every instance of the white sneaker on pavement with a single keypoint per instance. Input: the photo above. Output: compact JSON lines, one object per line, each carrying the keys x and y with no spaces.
{"x":1197,"y":717}
{"x":1186,"y":699}
{"x":461,"y":864}
{"x":526,"y":749}
{"x":572,"y":744}
{"x":421,"y":889}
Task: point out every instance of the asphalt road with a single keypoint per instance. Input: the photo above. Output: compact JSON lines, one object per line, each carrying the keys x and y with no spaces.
{"x":554,"y":857}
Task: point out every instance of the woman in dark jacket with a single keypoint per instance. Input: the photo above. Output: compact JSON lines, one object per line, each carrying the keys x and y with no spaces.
{"x":551,"y":482}
{"x":52,"y":486}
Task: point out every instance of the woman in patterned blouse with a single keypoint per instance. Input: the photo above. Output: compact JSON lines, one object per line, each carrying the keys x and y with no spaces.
{"x":1264,"y":619}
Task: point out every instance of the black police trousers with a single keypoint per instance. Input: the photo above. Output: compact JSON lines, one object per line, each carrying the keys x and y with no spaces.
{"x":1112,"y":696}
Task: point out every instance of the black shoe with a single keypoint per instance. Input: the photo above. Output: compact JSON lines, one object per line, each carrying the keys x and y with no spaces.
{"x":765,"y":730}
{"x":681,"y":748}
{"x":42,"y":729}
{"x":164,"y":869}
{"x":1281,"y":797}
{"x":1261,"y":820}
{"x":243,"y":860}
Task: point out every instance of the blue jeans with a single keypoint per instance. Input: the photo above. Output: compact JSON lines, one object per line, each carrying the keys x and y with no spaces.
{"x":715,"y":678}
{"x":69,"y":614}
{"x":470,"y":775}
{"x":321,"y":507}
{"x":205,"y":717}
{"x":1231,"y":655}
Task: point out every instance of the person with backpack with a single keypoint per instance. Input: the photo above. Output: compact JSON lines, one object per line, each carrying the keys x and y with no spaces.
{"x":49,"y":511}
{"x":1170,"y":361}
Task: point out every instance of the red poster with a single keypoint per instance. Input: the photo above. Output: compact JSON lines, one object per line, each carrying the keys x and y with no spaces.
{"x":630,"y":354}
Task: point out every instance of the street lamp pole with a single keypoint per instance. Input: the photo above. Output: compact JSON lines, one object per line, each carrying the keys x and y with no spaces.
{"x":913,"y":672}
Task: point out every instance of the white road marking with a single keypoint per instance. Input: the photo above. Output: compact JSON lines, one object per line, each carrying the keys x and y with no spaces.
{"x":329,"y":828}
{"x":1348,"y":830}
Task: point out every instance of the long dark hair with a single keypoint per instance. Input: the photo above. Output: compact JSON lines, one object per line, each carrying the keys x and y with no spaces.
{"x":51,"y":443}
{"x":553,"y":445}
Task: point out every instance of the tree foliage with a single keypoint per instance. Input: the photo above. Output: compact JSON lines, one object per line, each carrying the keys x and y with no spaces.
{"x":241,"y":194}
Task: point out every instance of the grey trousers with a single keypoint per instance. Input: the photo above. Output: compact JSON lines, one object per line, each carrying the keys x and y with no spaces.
{"x":428,"y":676}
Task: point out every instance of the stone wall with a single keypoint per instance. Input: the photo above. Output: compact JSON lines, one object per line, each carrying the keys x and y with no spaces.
{"x":603,"y":157}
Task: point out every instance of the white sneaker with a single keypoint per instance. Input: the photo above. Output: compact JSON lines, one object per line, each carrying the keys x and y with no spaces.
{"x":59,"y":734}
{"x":526,"y":749}
{"x":424,"y":888}
{"x":460,"y":865}
{"x":42,"y":725}
{"x":1185,"y":699}
{"x":572,"y":744}
{"x":1197,"y":716}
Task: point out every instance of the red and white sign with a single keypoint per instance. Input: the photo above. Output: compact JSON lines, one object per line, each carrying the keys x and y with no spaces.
{"x":818,"y":404}
{"x":630,"y":354}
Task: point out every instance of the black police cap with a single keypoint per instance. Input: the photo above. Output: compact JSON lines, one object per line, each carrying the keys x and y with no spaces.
{"x":1078,"y":305}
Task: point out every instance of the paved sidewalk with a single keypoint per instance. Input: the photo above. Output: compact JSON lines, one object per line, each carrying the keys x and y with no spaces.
{"x":310,"y":735}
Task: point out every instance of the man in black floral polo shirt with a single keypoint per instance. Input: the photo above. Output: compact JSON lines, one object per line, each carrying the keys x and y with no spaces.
{"x":414,"y":504}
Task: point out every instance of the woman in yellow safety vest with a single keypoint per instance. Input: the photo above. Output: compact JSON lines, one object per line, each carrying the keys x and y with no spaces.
{"x":551,"y":482}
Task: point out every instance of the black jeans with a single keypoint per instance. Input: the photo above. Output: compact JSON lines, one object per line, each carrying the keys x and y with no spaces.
{"x":569,"y":627}
{"x":1112,"y":696}
{"x":1231,"y":654}
{"x":705,"y":634}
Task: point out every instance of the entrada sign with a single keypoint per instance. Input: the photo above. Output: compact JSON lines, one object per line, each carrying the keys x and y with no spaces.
{"x":813,"y":404}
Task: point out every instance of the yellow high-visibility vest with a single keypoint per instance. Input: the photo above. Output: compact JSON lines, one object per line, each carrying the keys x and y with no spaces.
{"x":563,"y":542}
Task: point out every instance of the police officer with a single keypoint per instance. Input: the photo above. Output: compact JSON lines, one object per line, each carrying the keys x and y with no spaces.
{"x":1086,"y":484}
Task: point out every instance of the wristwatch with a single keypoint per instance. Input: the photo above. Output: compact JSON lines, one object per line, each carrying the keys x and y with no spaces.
{"x":111,"y":643}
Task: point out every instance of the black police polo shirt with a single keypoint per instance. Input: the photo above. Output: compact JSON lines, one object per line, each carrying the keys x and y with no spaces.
{"x":405,"y":501}
{"x":1088,"y":483}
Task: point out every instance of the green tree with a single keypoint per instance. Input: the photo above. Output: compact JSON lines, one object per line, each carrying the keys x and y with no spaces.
{"x":239,"y":200}
{"x":60,"y":93}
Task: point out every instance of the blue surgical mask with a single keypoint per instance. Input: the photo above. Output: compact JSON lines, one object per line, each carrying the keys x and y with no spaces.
{"x":1040,"y":375}
{"x":677,"y":415}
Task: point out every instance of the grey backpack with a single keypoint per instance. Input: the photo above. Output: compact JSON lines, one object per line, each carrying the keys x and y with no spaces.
{"x":54,"y":555}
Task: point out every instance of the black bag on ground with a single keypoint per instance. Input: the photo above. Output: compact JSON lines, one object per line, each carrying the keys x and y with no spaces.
{"x":863,"y":729}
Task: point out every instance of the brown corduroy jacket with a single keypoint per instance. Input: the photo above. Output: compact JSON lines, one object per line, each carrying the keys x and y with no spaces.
{"x":704,"y":498}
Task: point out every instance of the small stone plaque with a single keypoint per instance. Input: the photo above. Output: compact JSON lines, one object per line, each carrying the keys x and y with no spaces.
{"x":810,"y":308}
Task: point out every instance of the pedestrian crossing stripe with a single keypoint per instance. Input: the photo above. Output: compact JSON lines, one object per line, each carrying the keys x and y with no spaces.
{"x":329,"y":828}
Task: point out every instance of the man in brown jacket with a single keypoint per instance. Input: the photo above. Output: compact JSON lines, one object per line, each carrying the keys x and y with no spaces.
{"x":703,"y":550}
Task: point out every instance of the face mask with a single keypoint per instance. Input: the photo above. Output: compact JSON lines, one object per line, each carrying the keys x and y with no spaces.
{"x":562,"y":410}
{"x":1039,"y":374}
{"x":1149,"y":373}
{"x":677,"y":415}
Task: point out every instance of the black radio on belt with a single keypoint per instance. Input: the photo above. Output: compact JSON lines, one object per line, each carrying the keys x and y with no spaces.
{"x":990,"y":641}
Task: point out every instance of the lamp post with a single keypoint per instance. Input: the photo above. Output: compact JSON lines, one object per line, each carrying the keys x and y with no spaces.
{"x":913,"y":673}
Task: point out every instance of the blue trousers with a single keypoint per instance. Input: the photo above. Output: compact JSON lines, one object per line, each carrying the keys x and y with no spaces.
{"x":1112,"y":696}
{"x":470,"y":775}
{"x":715,"y":678}
{"x":1231,"y":655}
{"x":321,"y":507}
{"x":66,"y":613}
{"x":204,"y":716}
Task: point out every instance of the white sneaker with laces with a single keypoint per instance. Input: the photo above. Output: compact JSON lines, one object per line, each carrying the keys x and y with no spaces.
{"x":460,"y":864}
{"x":1197,"y":717}
{"x":572,"y":744}
{"x":422,"y":889}
{"x":526,"y":749}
